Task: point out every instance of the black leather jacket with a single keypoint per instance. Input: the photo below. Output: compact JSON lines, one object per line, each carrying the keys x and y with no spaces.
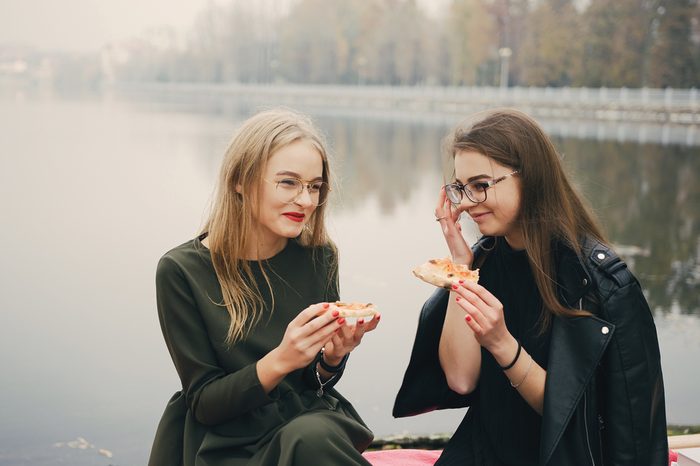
{"x":604,"y":396}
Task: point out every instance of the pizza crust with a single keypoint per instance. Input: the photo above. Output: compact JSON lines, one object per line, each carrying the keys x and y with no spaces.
{"x":444,"y":273}
{"x":356,"y":310}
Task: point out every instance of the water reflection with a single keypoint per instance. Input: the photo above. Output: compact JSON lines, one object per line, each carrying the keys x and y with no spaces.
{"x":93,"y":192}
{"x":648,"y":197}
{"x":381,"y":159}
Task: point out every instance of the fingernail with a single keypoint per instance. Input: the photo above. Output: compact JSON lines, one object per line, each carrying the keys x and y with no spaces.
{"x":454,"y":287}
{"x":335,"y":313}
{"x":341,"y":321}
{"x":468,"y":318}
{"x":378,"y":317}
{"x":325,"y":306}
{"x":360,"y":321}
{"x":457,"y":298}
{"x":461,"y":281}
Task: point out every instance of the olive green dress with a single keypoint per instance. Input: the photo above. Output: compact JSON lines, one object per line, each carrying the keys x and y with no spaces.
{"x":222,"y":416}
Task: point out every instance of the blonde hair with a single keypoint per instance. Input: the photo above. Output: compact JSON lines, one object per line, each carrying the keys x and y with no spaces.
{"x":231,"y":220}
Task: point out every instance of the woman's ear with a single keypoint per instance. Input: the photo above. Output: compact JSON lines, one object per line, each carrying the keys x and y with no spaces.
{"x":239,"y":188}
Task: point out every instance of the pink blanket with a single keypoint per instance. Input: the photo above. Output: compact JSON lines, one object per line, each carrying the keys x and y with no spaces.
{"x":429,"y":457}
{"x":402,"y":457}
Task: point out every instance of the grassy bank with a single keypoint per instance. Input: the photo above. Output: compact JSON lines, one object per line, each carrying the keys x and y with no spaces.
{"x":438,"y":441}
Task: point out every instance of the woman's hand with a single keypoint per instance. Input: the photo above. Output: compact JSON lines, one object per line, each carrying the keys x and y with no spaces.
{"x":346,"y":339}
{"x":306,"y":335}
{"x":484,"y":317}
{"x":448,"y":217}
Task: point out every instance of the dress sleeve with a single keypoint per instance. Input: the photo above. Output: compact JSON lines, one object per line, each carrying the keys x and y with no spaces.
{"x":212,"y":395}
{"x":633,"y":409}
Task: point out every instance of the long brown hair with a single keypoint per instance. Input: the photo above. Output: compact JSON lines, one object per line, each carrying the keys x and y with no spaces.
{"x":551,"y":211}
{"x":231,"y":220}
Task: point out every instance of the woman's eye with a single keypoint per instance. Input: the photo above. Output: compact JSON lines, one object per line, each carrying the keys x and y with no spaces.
{"x":316,"y":187}
{"x":288,"y":183}
{"x":479,"y":186}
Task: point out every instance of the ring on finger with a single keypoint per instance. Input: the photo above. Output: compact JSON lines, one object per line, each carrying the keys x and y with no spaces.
{"x":437,"y":219}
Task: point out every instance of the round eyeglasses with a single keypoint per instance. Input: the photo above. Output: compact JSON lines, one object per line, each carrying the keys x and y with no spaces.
{"x":289,"y":190}
{"x":475,"y":191}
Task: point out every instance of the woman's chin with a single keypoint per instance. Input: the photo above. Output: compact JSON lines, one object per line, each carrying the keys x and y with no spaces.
{"x":291,"y":232}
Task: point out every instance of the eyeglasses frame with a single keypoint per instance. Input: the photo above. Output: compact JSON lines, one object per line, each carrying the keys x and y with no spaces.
{"x":305,"y":184}
{"x":464,"y":191}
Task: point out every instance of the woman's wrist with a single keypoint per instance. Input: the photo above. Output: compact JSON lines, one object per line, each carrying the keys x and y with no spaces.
{"x":332,"y":365}
{"x":331,"y":361}
{"x":464,"y":260}
{"x":505,"y":352}
{"x":277,"y":363}
{"x":271,"y":369}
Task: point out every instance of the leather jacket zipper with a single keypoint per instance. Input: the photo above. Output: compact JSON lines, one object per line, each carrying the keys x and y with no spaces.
{"x":585,"y":425}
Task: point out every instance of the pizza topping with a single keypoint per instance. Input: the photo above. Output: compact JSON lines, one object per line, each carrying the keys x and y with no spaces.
{"x":444,"y":272}
{"x":356,"y":309}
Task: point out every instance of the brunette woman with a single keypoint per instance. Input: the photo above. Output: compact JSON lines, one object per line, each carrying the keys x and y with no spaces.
{"x":555,"y":350}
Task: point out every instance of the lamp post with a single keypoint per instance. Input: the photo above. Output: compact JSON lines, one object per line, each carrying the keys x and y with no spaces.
{"x":504,"y":53}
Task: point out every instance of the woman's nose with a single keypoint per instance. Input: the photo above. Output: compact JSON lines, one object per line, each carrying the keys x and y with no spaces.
{"x":304,"y":198}
{"x":466,"y":203}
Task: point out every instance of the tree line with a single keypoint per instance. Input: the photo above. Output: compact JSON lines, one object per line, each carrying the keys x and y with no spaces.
{"x":592,"y":43}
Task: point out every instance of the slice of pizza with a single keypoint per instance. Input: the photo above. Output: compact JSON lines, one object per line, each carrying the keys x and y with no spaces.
{"x":444,"y":272}
{"x":356,"y":310}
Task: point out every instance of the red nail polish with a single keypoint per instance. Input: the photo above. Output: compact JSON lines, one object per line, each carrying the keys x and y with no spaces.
{"x":457,"y":298}
{"x":335,"y":313}
{"x":468,"y":318}
{"x":325,"y":306}
{"x":341,"y":321}
{"x":461,"y":282}
{"x":360,"y":321}
{"x":378,"y":317}
{"x":454,"y":287}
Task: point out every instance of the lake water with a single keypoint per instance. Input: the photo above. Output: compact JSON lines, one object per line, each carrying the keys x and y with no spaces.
{"x":94,"y":190}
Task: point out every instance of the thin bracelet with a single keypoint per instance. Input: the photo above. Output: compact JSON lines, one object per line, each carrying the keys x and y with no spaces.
{"x":319,"y":392}
{"x":515,"y":359}
{"x":332,"y":369}
{"x":527,"y":371}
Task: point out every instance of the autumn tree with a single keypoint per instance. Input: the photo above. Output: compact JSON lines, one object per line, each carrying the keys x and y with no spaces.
{"x":674,"y":54}
{"x":548,"y":56}
{"x":398,"y":47}
{"x":616,"y":38}
{"x":471,"y":40}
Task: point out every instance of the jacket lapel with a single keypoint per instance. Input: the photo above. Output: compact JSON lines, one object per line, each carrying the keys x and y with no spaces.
{"x":573,"y":280}
{"x":576,"y":348}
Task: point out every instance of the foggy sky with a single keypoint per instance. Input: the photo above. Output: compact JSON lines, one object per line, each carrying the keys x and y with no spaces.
{"x":85,"y":25}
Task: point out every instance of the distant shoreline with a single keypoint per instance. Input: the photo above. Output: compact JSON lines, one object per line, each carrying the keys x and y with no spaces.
{"x":641,"y":116}
{"x":637,"y":115}
{"x":674,"y":106}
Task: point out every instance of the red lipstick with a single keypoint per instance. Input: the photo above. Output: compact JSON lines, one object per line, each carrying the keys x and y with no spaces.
{"x":294,"y":216}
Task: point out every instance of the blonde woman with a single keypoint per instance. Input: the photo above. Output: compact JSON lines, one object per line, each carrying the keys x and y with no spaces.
{"x":245,"y":313}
